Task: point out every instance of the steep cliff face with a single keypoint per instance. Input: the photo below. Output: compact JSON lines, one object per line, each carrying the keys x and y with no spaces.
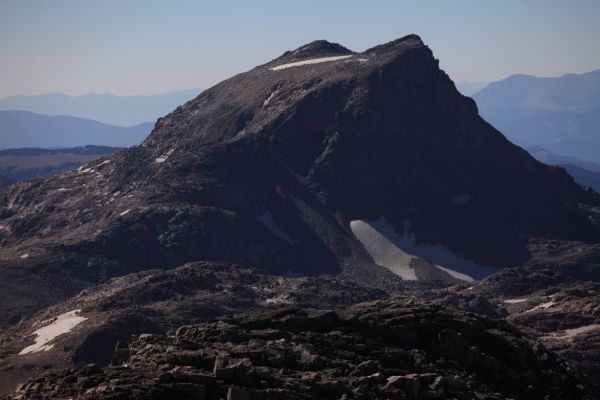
{"x":271,"y":167}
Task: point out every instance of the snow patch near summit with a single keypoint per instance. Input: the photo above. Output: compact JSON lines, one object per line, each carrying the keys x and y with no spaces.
{"x":308,"y":62}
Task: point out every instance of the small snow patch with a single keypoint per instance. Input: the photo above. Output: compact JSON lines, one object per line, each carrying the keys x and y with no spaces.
{"x":571,"y":333}
{"x":125,"y":212}
{"x":308,"y":62}
{"x":268,"y":100}
{"x":281,"y":299}
{"x":103,"y":163}
{"x":542,"y":306}
{"x":515,"y":301}
{"x":164,"y":157}
{"x":64,"y":323}
{"x":269,"y":222}
{"x":26,"y":255}
{"x":85,"y":170}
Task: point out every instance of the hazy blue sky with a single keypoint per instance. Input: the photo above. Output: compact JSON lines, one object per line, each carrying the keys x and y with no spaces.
{"x":145,"y":46}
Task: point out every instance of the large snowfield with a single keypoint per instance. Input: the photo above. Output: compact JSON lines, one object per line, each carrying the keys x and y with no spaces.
{"x":395,"y":252}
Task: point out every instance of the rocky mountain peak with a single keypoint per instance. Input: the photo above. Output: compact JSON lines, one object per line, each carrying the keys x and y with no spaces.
{"x":408,"y":41}
{"x":314,"y":49}
{"x":302,"y":165}
{"x":327,"y":177}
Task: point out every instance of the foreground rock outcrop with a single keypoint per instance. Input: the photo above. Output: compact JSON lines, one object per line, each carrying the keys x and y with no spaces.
{"x":388,"y":349}
{"x":561,"y":313}
{"x":155,"y":302}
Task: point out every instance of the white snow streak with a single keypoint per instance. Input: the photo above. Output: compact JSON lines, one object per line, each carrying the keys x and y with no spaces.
{"x":103,"y":163}
{"x":571,"y":333}
{"x":308,"y":62}
{"x":268,"y":100}
{"x":515,"y":301}
{"x":542,"y":306}
{"x":456,"y":274}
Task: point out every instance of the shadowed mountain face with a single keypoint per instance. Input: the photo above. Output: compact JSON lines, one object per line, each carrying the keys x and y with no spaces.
{"x":270,"y":167}
{"x":583,"y":176}
{"x":560,"y":114}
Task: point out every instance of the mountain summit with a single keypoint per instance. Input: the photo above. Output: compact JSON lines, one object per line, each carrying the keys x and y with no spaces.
{"x":368,"y":166}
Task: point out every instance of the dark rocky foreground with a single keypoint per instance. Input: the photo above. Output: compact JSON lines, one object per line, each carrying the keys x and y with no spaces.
{"x":159,"y":302}
{"x":561,"y":313}
{"x":388,"y":349}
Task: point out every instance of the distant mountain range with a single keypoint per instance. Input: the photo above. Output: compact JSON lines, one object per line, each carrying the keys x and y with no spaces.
{"x":27,"y":129}
{"x":584,"y":172}
{"x":560,"y":114}
{"x":550,"y":158}
{"x":468,"y":88}
{"x":18,"y":164}
{"x":107,"y":108}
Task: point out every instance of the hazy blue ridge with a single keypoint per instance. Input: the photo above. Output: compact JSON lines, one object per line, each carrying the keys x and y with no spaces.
{"x":560,"y":114}
{"x":106,"y":108}
{"x":26,"y":129}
